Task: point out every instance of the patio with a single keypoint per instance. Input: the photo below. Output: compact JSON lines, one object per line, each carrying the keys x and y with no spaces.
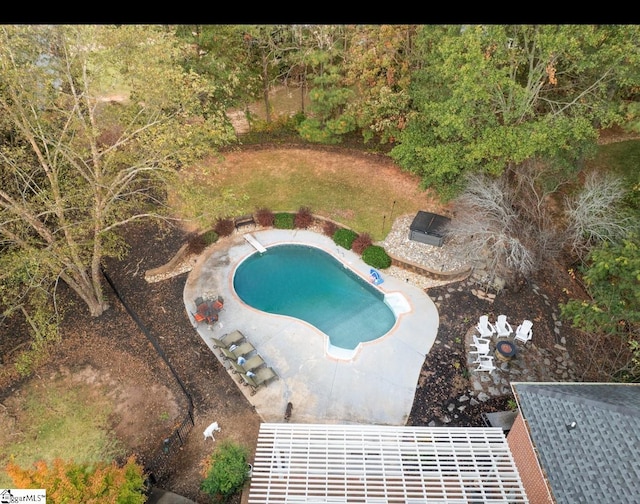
{"x":319,"y":384}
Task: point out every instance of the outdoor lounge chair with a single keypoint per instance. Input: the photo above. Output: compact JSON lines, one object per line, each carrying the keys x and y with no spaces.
{"x":484,"y":327}
{"x":227,"y":340}
{"x":260,"y":377}
{"x":482,"y":347}
{"x":524,"y":332}
{"x":503,"y":328}
{"x":485,"y":363}
{"x":250,"y":364}
{"x":233,"y":352}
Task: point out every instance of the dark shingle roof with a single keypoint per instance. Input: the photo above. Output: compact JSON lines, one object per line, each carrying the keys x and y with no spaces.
{"x":598,"y":460}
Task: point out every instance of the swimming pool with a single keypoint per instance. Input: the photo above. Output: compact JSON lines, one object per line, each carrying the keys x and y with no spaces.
{"x":307,"y":283}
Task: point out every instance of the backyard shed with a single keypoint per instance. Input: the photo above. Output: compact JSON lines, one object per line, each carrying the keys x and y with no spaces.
{"x":428,"y":228}
{"x":317,"y":463}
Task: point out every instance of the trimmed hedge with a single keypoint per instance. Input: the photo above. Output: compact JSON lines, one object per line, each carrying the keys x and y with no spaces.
{"x":284,"y":221}
{"x":376,"y":256}
{"x":344,"y":238}
{"x":209,"y":237}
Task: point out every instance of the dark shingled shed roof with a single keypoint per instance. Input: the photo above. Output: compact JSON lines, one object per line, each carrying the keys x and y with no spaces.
{"x":599,"y":459}
{"x":430,"y":223}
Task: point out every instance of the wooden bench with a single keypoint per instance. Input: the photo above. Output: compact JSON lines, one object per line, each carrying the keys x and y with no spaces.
{"x":243,"y":220}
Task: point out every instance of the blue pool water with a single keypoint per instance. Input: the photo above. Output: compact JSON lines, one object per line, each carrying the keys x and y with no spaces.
{"x":309,"y":284}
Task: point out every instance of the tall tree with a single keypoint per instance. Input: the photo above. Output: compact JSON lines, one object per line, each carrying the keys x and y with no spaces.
{"x":378,"y":65}
{"x":329,"y":94}
{"x":76,"y":165}
{"x":220,"y":54}
{"x":612,"y":280}
{"x":490,"y":97}
{"x":266,"y":45}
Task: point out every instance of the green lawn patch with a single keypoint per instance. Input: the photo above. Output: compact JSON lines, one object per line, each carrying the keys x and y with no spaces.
{"x":56,"y":421}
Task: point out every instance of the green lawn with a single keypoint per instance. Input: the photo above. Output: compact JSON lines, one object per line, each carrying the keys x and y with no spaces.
{"x":361,"y":193}
{"x":55,"y":421}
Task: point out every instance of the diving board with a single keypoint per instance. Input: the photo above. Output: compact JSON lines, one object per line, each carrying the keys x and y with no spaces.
{"x":256,"y":244}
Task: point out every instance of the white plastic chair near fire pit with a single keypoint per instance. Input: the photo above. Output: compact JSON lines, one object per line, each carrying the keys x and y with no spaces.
{"x":524,"y":332}
{"x":482,"y":347}
{"x":503,"y":328}
{"x":485,"y":329}
{"x":485,"y":363}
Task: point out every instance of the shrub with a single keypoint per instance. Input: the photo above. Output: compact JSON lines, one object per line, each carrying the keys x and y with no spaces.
{"x":329,"y":228}
{"x":228,"y":470}
{"x":199,"y":242}
{"x":303,"y":218}
{"x":283,"y":220}
{"x":363,"y":241}
{"x":345,"y":238}
{"x":209,"y":237}
{"x":264,"y":217}
{"x":224,"y":226}
{"x":376,"y":256}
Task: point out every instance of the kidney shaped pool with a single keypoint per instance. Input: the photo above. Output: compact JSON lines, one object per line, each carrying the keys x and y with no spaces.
{"x":309,"y":284}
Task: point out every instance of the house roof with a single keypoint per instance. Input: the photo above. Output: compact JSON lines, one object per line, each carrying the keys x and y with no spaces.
{"x":598,"y":460}
{"x":370,"y":464}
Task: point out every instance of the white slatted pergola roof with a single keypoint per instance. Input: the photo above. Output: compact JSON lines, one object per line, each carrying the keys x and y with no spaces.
{"x":313,"y":463}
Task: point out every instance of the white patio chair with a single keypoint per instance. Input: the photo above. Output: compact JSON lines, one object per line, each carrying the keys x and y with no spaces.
{"x":485,"y":363}
{"x":484,"y":327}
{"x":523,"y":332}
{"x":503,"y":328}
{"x":482,"y":347}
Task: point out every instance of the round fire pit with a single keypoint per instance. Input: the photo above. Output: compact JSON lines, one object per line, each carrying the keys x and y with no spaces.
{"x":505,"y":350}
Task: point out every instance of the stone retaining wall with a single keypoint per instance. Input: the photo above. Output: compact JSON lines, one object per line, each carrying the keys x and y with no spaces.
{"x":176,"y":264}
{"x":452,"y":276}
{"x":173,"y":267}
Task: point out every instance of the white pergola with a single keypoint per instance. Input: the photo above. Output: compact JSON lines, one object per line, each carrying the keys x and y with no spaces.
{"x":313,"y":463}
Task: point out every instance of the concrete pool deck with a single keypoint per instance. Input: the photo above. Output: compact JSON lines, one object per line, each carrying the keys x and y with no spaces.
{"x":376,"y":385}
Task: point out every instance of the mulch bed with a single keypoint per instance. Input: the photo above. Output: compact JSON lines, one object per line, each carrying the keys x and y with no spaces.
{"x":214,"y":394}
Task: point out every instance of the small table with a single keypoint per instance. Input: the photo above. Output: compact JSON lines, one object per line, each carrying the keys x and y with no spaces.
{"x":505,"y":350}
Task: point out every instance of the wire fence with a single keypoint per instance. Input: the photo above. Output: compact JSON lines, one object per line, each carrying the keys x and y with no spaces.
{"x":158,"y":466}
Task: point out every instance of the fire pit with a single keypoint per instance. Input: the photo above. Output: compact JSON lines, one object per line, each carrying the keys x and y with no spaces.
{"x":505,"y":350}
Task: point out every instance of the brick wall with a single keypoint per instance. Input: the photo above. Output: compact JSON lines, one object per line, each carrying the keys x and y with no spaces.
{"x":535,"y":484}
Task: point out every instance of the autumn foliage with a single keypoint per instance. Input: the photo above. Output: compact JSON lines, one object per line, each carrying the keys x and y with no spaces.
{"x":67,"y":481}
{"x":361,"y":242}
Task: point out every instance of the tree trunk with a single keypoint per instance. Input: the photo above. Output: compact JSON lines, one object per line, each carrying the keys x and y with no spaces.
{"x":84,"y":287}
{"x":265,"y":87}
